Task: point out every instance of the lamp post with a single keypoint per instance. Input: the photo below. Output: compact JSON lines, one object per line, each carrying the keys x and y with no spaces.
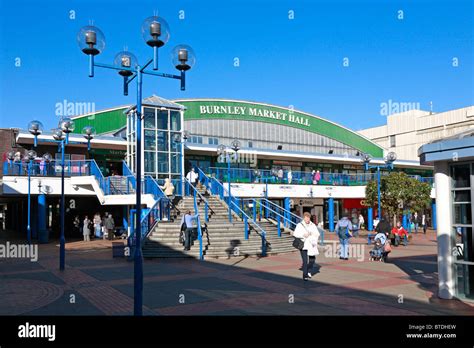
{"x":389,"y":159}
{"x":61,"y":137}
{"x":155,"y":32}
{"x":29,"y":158}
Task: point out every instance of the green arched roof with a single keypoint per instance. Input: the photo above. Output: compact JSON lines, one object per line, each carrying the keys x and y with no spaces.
{"x":198,"y":109}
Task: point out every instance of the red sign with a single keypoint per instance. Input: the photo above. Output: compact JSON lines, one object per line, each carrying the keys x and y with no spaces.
{"x":353,"y":203}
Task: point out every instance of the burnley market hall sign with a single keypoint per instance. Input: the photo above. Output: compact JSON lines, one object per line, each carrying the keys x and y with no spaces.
{"x":254,"y":111}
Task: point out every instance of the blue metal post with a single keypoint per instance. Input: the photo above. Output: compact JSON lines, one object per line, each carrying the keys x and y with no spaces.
{"x":229,"y":195}
{"x":254,"y":210}
{"x":264,"y":244}
{"x":138,"y":257}
{"x":286,"y":207}
{"x":379,"y":208}
{"x":279,"y":227}
{"x":28,"y":226}
{"x":246,"y":228}
{"x":42,"y":232}
{"x":155,"y":58}
{"x":370,"y":219}
{"x":331,"y":214}
{"x":433,"y":215}
{"x":206,"y":217}
{"x":91,"y":65}
{"x":62,"y":241}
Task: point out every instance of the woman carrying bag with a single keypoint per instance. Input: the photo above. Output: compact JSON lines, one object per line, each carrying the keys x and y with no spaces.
{"x":306,"y":241}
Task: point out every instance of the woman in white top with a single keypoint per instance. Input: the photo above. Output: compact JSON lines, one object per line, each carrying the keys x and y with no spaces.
{"x":85,"y":230}
{"x":309,"y":234}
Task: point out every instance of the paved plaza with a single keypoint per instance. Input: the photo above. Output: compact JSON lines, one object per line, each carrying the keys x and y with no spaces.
{"x":95,"y":283}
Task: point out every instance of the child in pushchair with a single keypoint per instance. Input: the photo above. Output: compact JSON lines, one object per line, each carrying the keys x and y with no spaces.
{"x":381,"y":248}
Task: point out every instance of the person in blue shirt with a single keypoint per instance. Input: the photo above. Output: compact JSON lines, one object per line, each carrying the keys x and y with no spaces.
{"x":188,"y":219}
{"x":343,"y":230}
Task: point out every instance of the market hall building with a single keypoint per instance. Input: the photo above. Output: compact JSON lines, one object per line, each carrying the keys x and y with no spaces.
{"x":271,"y":138}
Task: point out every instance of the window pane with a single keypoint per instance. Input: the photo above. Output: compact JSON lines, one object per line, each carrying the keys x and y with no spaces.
{"x":462,"y":214}
{"x":149,"y":118}
{"x":175,"y":160}
{"x":150,"y":141}
{"x":163,"y":165}
{"x":175,"y":120}
{"x":162,"y":122}
{"x":150,"y":162}
{"x":162,"y":141}
{"x":462,"y":196}
{"x":175,"y":146}
{"x":461,"y":175}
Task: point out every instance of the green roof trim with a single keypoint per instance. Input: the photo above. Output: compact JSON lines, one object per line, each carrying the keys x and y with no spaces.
{"x":102,"y":121}
{"x":257,"y":112}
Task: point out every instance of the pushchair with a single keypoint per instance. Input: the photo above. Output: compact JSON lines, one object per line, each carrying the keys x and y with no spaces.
{"x":380,"y":251}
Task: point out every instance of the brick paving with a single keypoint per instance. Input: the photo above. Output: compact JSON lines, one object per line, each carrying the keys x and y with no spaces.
{"x":242,"y":286}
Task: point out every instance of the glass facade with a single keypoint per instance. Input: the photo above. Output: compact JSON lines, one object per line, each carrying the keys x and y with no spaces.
{"x":462,"y":179}
{"x":161,"y":151}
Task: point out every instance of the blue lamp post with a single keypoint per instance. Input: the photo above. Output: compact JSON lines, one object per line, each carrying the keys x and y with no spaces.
{"x":61,"y":137}
{"x":389,"y":159}
{"x":29,"y":158}
{"x":155,"y":32}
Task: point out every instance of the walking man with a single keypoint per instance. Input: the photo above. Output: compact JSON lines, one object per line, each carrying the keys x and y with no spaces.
{"x":110,"y":226}
{"x":343,"y":229}
{"x":188,"y":221}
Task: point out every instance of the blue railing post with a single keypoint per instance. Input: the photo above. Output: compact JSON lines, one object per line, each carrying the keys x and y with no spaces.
{"x":370,"y":219}
{"x":246,"y":227}
{"x":254,"y":208}
{"x":279,"y":227}
{"x":433,"y":215}
{"x":206,"y":212}
{"x":331,"y":214}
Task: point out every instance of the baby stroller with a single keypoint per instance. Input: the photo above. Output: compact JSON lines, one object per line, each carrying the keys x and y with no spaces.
{"x":380,"y":251}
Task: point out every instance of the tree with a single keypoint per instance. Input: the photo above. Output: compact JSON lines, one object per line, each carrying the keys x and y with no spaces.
{"x":400,"y":194}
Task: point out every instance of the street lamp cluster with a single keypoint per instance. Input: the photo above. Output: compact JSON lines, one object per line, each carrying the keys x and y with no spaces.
{"x":155,"y":32}
{"x":389,"y":159}
{"x":60,"y":136}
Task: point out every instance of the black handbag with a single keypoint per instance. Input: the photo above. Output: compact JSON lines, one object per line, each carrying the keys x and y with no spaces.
{"x":298,"y":244}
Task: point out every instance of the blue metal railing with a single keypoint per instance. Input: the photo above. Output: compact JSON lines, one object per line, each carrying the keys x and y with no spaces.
{"x":244,"y":175}
{"x":52,"y":168}
{"x":233,"y":203}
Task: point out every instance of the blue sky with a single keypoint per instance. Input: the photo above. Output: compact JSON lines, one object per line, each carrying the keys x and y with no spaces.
{"x":285,"y":62}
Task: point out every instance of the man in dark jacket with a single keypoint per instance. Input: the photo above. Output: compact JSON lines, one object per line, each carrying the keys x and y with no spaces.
{"x":384,"y":226}
{"x":109,"y":224}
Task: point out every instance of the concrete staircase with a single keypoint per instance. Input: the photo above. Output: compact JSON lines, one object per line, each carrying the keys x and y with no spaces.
{"x":220,"y":238}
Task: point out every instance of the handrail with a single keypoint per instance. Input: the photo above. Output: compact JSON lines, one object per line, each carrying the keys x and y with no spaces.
{"x":233,"y":206}
{"x":207,"y":205}
{"x":300,"y":177}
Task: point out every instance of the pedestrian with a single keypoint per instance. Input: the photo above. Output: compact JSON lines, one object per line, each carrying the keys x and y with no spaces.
{"x":355,"y":224}
{"x":423,"y":223}
{"x":188,"y":222}
{"x":384,"y":226}
{"x":361,"y":221}
{"x":316,"y":177}
{"x":401,"y":235}
{"x":280,"y":175}
{"x":97,"y":225}
{"x":110,"y":226}
{"x":86,"y":229}
{"x":289,"y":176}
{"x":376,"y":222}
{"x":309,"y":234}
{"x":168,"y":188}
{"x":343,"y":230}
{"x":416,"y":221}
{"x":104,"y":231}
{"x":192,"y":177}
